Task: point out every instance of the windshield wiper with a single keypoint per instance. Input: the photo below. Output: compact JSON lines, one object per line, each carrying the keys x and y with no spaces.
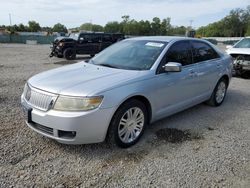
{"x":107,"y":65}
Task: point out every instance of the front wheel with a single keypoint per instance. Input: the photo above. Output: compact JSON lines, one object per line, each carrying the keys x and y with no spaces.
{"x":128,"y":124}
{"x":219,"y":93}
{"x":69,"y":54}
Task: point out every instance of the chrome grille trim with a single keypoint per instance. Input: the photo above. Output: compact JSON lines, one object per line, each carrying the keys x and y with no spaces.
{"x":39,"y":99}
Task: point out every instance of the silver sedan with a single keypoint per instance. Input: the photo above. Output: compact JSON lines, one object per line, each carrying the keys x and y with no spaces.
{"x":124,"y":88}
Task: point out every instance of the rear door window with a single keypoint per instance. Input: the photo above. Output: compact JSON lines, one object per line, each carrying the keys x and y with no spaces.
{"x":106,"y":38}
{"x":90,"y":38}
{"x":203,"y":52}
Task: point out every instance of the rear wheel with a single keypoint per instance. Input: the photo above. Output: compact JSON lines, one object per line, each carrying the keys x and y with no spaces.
{"x":128,"y":124}
{"x":69,"y":54}
{"x":219,"y":93}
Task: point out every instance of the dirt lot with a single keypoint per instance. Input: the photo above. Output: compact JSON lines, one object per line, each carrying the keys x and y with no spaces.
{"x":210,"y":147}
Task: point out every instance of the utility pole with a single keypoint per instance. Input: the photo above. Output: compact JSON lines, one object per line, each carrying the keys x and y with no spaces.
{"x":10,"y":19}
{"x":191,"y":22}
{"x":10,"y":26}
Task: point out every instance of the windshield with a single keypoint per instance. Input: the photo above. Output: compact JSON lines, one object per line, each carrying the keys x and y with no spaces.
{"x":244,"y":43}
{"x":130,"y":55}
{"x":74,"y":36}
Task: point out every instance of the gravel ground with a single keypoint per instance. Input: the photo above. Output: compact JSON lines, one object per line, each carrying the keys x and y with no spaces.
{"x":200,"y":147}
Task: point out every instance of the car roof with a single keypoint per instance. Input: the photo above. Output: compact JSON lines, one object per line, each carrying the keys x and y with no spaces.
{"x":164,"y":38}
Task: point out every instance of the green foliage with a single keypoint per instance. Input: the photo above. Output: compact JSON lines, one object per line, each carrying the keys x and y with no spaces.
{"x":59,"y":28}
{"x":235,"y":24}
{"x":178,"y":30}
{"x":248,"y":31}
{"x":91,"y":27}
{"x":143,"y":28}
{"x":34,"y":26}
{"x":113,"y":27}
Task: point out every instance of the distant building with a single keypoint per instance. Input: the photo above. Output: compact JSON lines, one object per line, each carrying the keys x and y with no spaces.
{"x":3,"y":31}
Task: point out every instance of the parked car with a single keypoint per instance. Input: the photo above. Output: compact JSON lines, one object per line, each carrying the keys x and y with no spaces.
{"x":241,"y":54}
{"x":82,"y":43}
{"x":125,"y":87}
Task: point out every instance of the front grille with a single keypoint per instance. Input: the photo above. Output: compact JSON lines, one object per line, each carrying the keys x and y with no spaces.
{"x":39,"y":99}
{"x":42,"y":128}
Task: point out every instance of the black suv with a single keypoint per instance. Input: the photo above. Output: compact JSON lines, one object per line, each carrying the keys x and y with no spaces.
{"x":83,"y":43}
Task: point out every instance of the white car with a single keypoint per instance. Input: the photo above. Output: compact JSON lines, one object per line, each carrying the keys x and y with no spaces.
{"x":241,"y":54}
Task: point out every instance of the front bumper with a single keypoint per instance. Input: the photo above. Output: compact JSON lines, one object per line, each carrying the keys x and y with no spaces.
{"x":56,"y":50}
{"x":70,"y":127}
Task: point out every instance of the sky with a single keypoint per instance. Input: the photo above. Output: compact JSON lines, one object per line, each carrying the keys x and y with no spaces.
{"x":72,"y":13}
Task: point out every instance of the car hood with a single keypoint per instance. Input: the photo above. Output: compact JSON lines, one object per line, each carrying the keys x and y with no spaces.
{"x":63,"y":39}
{"x":245,"y":51}
{"x":82,"y":79}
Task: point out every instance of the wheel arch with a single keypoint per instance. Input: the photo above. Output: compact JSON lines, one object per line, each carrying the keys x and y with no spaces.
{"x":138,"y":97}
{"x":226,"y":77}
{"x":142,"y":99}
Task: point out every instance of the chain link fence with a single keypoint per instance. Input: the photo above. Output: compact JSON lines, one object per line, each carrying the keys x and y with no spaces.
{"x":14,"y":38}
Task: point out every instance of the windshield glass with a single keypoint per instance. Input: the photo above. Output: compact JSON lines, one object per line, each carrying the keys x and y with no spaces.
{"x":74,"y":36}
{"x":244,"y":43}
{"x":130,"y":55}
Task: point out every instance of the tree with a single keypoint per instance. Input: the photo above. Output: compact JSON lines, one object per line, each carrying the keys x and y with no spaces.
{"x":59,"y":28}
{"x":113,"y":27}
{"x":22,"y":28}
{"x":178,"y":30}
{"x":91,"y":27}
{"x":235,"y":24}
{"x":248,"y":31}
{"x":156,"y":26}
{"x":46,"y":29}
{"x":165,"y":27}
{"x":144,"y":28}
{"x":34,"y":26}
{"x":97,"y":28}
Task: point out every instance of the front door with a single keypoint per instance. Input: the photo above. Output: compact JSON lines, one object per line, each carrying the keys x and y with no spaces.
{"x":176,"y":90}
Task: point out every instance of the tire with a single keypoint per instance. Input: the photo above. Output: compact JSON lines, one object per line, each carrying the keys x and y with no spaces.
{"x":245,"y":74}
{"x":124,"y":131}
{"x":219,"y":93}
{"x":69,"y":54}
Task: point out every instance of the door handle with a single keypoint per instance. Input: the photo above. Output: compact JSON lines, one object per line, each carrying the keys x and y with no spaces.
{"x":191,"y":73}
{"x":218,"y":65}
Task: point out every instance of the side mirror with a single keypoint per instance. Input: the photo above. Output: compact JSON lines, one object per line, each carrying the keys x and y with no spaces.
{"x":229,"y":46}
{"x":172,"y":67}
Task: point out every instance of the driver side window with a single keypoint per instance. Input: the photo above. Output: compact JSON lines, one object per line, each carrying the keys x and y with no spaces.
{"x":180,"y":52}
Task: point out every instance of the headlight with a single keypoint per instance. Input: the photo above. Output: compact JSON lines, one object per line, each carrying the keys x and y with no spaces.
{"x":60,"y":44}
{"x":67,"y":103}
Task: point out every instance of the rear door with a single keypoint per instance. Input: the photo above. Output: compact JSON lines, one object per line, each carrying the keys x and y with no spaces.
{"x":106,"y":41}
{"x":89,"y":43}
{"x":209,"y":65}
